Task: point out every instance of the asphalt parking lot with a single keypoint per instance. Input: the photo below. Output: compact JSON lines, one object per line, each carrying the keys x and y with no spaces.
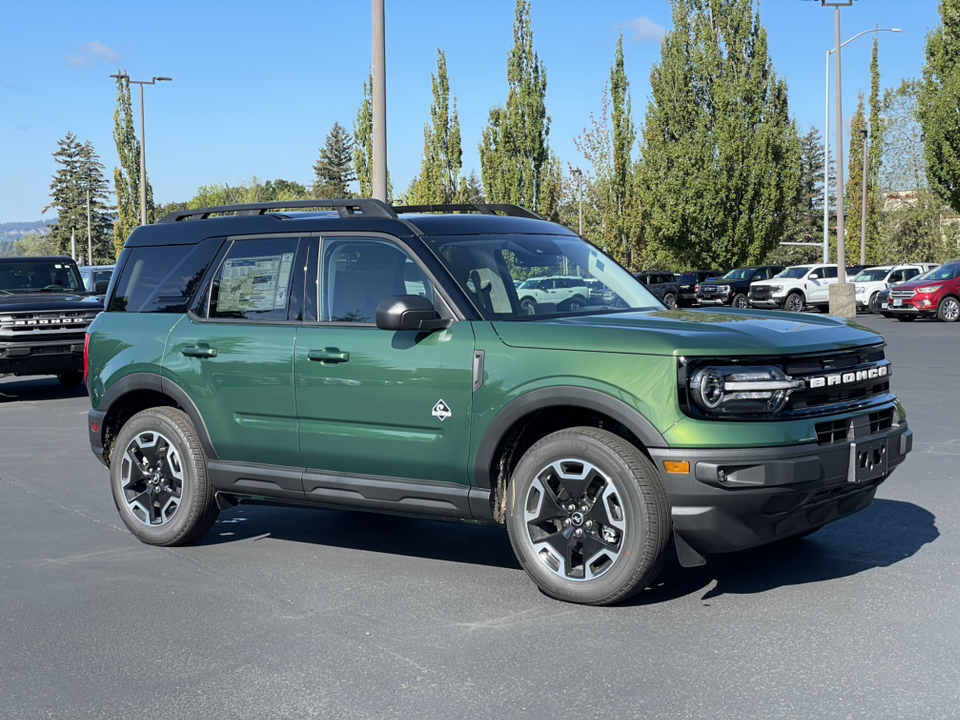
{"x":295,"y":613}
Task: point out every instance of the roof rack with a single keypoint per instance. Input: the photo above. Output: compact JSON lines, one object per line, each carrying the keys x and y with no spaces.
{"x":345,"y":208}
{"x":484,"y":208}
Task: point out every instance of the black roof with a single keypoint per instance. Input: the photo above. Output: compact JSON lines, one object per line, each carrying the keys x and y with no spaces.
{"x":37,"y":258}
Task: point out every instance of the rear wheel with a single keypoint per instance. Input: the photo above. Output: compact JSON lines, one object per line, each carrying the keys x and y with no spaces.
{"x":874,"y":304}
{"x":588,"y":516}
{"x":670,"y":300}
{"x":70,"y":378}
{"x":740,"y":301}
{"x":528,"y":306}
{"x":949,"y":309}
{"x":574,"y":303}
{"x":158,"y":476}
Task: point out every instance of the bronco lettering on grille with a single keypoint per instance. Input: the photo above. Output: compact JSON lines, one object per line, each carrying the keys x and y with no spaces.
{"x":848,"y":377}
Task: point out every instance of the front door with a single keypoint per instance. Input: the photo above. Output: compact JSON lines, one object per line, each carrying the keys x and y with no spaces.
{"x":378,"y":402}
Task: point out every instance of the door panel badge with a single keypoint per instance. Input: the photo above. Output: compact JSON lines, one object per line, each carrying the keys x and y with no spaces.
{"x":441,"y":411}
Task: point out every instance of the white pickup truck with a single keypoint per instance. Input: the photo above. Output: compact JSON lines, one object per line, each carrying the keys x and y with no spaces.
{"x":795,"y":288}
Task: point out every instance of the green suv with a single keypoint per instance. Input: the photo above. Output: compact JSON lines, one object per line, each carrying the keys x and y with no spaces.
{"x":380,"y":358}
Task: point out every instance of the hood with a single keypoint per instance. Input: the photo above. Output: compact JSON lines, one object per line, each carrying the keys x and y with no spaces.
{"x":47,"y":301}
{"x":719,"y":332}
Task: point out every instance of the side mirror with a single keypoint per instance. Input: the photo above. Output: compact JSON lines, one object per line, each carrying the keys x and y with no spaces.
{"x":100,"y":287}
{"x":409,"y":312}
{"x":813,"y":277}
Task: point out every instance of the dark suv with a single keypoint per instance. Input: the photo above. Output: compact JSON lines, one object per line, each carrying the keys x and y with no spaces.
{"x":689,"y":282}
{"x":380,"y":358}
{"x":662,"y":284}
{"x":732,"y":288}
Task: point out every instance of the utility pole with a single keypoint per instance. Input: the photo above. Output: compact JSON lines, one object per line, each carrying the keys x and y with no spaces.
{"x":379,"y":103}
{"x":89,"y":235}
{"x":863,"y":202}
{"x":579,"y":174}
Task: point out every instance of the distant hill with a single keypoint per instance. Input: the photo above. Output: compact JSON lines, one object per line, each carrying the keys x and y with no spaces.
{"x":13,"y":231}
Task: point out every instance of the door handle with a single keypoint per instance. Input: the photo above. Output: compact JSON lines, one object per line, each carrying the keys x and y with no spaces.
{"x":328,"y":356}
{"x":200,"y":350}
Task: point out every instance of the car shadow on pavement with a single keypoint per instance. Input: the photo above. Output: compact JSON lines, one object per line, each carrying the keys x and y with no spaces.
{"x":38,"y":388}
{"x":461,"y":542}
{"x":885,"y":533}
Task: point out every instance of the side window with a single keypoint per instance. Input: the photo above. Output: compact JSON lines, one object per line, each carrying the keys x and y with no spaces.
{"x":253,"y":282}
{"x":897,"y":276}
{"x":358,"y":275}
{"x":909,"y":273}
{"x":174,"y":292}
{"x":827,"y":271}
{"x":143,"y":270}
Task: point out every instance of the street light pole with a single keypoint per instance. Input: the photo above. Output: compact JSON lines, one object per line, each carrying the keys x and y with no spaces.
{"x":863,"y":202}
{"x":826,"y":140}
{"x":143,"y":140}
{"x":579,"y":174}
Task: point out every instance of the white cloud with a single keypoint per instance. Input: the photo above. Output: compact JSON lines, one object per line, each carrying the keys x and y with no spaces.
{"x":91,"y":53}
{"x":642,"y":30}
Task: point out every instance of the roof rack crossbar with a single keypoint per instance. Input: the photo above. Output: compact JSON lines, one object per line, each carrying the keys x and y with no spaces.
{"x":346,"y":207}
{"x":484,"y":208}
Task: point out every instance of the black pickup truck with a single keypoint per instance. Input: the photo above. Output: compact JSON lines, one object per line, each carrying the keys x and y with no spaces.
{"x":44,"y":314}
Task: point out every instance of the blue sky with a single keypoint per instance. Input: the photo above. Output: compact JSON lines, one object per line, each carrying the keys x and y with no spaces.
{"x":257,"y":86}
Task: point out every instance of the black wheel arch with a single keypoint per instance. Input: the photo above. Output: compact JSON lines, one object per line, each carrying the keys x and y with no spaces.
{"x":540,"y":412}
{"x":140,"y":391}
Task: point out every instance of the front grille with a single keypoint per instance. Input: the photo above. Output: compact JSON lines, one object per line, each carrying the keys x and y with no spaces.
{"x":902,"y":294}
{"x":710,"y":290}
{"x":835,"y":380}
{"x":27,"y":327}
{"x":760,"y":293}
{"x":844,"y":431}
{"x":833,"y":431}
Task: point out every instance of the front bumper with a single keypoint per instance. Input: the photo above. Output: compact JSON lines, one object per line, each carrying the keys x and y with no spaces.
{"x":736,"y":499}
{"x":714,"y":300}
{"x":770,"y":303}
{"x":50,"y":357}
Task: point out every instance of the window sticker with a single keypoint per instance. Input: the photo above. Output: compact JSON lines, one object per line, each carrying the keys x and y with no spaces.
{"x":255,"y":284}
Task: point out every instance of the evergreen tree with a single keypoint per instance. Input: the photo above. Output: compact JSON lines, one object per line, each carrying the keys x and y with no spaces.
{"x":720,"y":173}
{"x":438,"y":181}
{"x":939,"y":103}
{"x":80,"y":173}
{"x":514,"y":153}
{"x":471,"y":189}
{"x":126,"y":178}
{"x":875,"y":161}
{"x":806,"y":225}
{"x":334,"y":171}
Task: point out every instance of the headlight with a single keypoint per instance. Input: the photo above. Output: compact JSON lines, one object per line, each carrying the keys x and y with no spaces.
{"x":733,"y":390}
{"x":929,"y":289}
{"x":778,"y":289}
{"x":860,"y":290}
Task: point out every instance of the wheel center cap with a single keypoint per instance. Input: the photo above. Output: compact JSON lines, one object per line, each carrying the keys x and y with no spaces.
{"x":155,"y":477}
{"x":577,"y":518}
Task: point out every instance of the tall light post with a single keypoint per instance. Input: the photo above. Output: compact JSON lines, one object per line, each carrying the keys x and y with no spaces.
{"x":379,"y":93}
{"x":579,"y":174}
{"x":826,"y":140}
{"x":143,"y":140}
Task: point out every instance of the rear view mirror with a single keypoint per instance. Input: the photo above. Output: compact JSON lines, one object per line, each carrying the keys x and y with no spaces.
{"x":409,"y":312}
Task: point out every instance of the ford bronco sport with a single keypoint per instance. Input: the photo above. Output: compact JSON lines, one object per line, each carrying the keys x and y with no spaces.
{"x":379,"y":358}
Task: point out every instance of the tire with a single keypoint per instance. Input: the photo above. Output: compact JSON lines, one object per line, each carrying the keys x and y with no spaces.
{"x":873,"y":305}
{"x":794,"y":302}
{"x":670,"y":300}
{"x":70,"y":378}
{"x":904,"y":318}
{"x":528,"y":306}
{"x":574,"y":303}
{"x":740,"y":301}
{"x":172,"y":503}
{"x":823,"y":309}
{"x":625,"y":528}
{"x":949,"y":309}
{"x":886,"y":314}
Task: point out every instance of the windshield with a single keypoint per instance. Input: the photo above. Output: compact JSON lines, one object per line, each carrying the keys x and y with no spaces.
{"x":872,"y":275}
{"x":739,"y":274}
{"x":42,"y":275}
{"x":944,"y":272}
{"x":562,"y":275}
{"x":794,"y":272}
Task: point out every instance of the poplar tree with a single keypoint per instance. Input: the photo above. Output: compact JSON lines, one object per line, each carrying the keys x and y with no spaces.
{"x":439,"y":178}
{"x":333,"y":171}
{"x":853,"y":204}
{"x":939,"y":104}
{"x":514,"y":151}
{"x":126,"y":178}
{"x":721,"y":159}
{"x":363,"y":142}
{"x":622,"y":184}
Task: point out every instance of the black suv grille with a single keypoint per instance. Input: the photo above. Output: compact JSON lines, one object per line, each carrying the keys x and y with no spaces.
{"x":837,"y":380}
{"x":29,"y":327}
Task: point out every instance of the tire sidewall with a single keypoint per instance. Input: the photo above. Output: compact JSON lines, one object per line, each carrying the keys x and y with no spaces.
{"x":566,"y":446}
{"x":941,"y":314}
{"x":194,"y":491}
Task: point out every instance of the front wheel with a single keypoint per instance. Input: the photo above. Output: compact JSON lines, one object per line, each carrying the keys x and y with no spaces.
{"x":588,"y":516}
{"x":949,"y":309}
{"x":794,"y":302}
{"x":874,"y":304}
{"x":158,"y":476}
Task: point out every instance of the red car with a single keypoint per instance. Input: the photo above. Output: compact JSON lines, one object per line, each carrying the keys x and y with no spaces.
{"x":937,"y":293}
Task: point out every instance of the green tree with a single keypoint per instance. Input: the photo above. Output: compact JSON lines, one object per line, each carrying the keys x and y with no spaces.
{"x":939,"y":106}
{"x":438,"y":181}
{"x":334,"y":170}
{"x":363,"y":142}
{"x":514,"y":151}
{"x":904,"y":166}
{"x":126,"y":178}
{"x":34,"y":244}
{"x":853,"y":204}
{"x":806,"y":225}
{"x":80,"y":176}
{"x":720,"y":173}
{"x":622,"y":182}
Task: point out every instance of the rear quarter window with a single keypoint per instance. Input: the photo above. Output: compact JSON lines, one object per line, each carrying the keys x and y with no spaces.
{"x":161,"y":279}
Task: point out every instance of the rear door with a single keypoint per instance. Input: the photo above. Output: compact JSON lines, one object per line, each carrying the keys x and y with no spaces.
{"x":371,"y":401}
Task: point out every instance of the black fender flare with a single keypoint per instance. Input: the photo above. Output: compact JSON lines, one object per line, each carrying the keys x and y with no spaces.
{"x":545,"y":398}
{"x":164,"y":386}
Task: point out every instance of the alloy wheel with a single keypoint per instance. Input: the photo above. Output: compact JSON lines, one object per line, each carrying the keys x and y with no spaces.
{"x":152,"y":478}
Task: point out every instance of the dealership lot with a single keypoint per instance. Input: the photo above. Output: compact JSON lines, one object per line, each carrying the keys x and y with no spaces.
{"x":290,"y":613}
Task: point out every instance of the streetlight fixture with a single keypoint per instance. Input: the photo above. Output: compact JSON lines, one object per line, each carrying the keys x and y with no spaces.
{"x":143,"y":139}
{"x":826,"y":140}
